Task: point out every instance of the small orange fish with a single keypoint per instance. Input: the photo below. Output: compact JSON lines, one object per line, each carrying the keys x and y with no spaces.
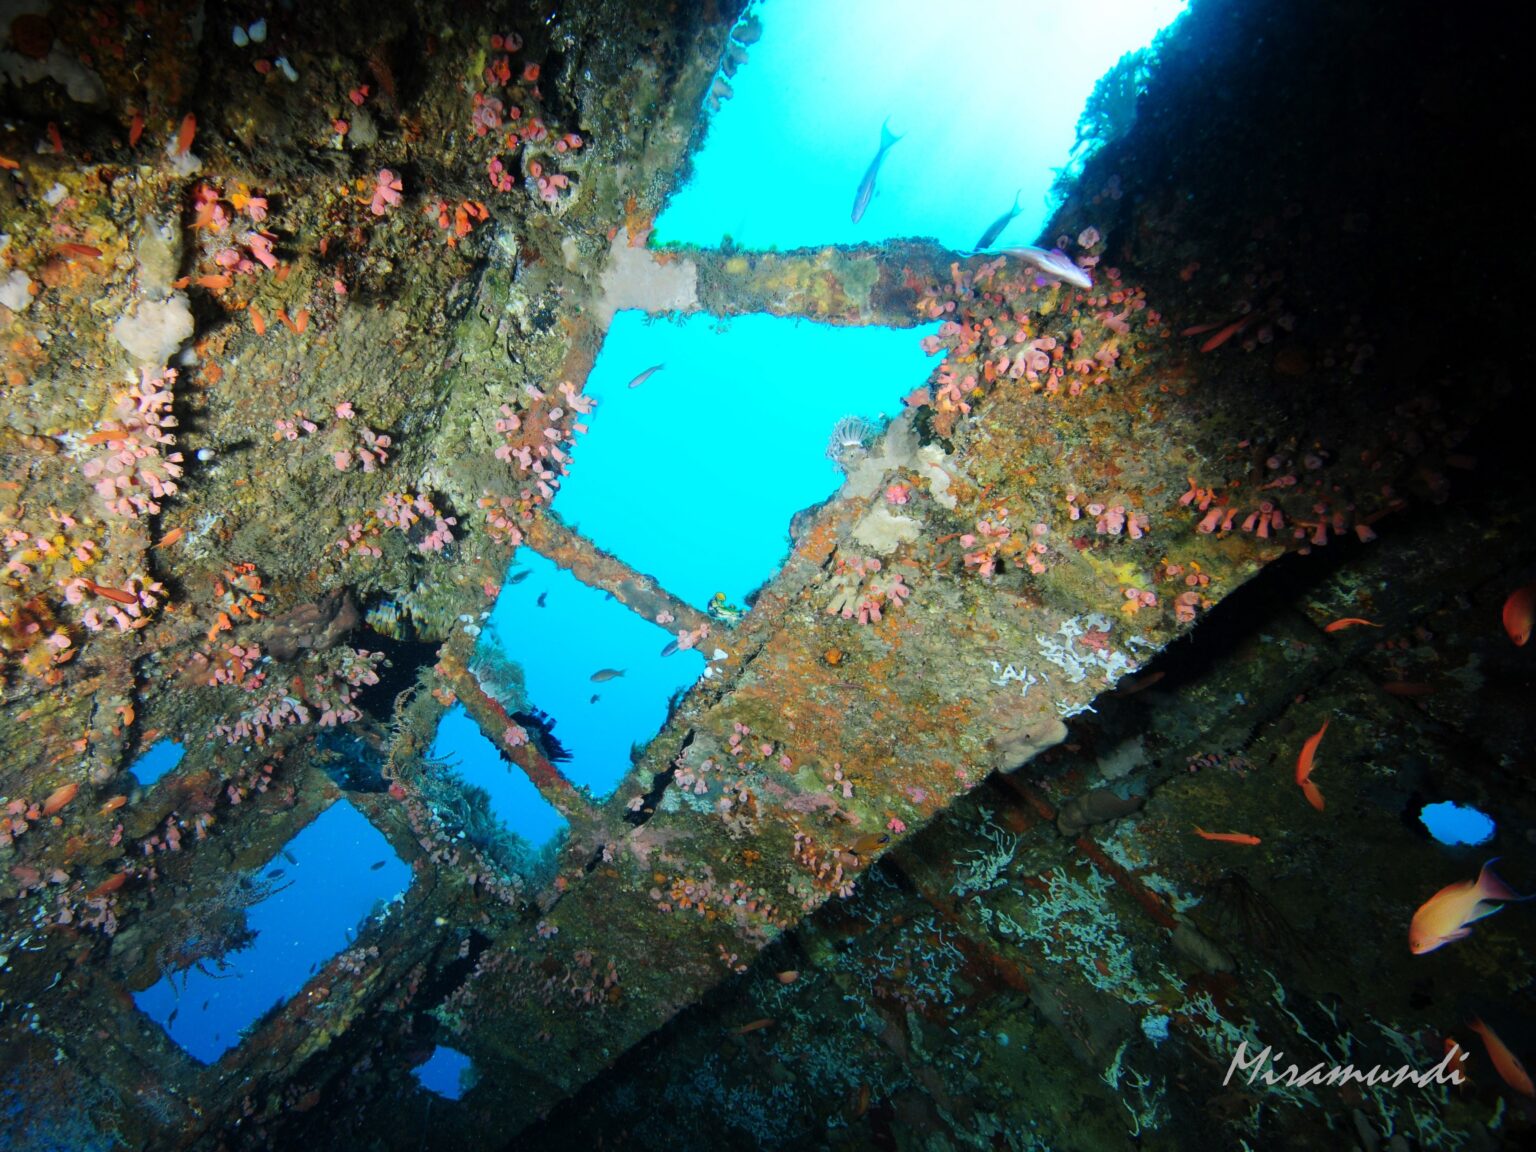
{"x":1520,"y":614}
{"x":1141,"y":684}
{"x":258,"y":321}
{"x":111,"y":884}
{"x":213,"y":283}
{"x":184,"y":136}
{"x":54,"y":138}
{"x":83,"y":250}
{"x":112,"y":593}
{"x":1445,"y":915}
{"x":861,"y":1104}
{"x":171,"y":537}
{"x":754,"y":1026}
{"x":1227,"y":837}
{"x":1225,"y":334}
{"x":1349,"y":622}
{"x":135,"y":129}
{"x":7,"y":162}
{"x":105,"y":435}
{"x":113,"y":804}
{"x":1458,"y":1055}
{"x":1304,"y":768}
{"x":58,"y":798}
{"x":300,"y":321}
{"x":1508,"y":1064}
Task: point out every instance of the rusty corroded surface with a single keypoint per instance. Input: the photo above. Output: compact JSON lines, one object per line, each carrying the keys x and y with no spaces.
{"x":378,"y":398}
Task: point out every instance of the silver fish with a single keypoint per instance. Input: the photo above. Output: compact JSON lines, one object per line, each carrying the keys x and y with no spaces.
{"x":646,"y":375}
{"x":606,"y":674}
{"x":670,"y":648}
{"x":995,"y":229}
{"x":866,"y":191}
{"x":1056,"y":264}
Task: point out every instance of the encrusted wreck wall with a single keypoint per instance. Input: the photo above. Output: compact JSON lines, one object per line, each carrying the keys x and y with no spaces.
{"x":296,"y":333}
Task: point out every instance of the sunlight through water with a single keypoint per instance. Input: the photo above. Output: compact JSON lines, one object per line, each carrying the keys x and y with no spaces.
{"x":985,"y":95}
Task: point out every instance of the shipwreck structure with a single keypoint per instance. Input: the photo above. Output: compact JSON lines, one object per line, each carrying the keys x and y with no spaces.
{"x":297,"y":329}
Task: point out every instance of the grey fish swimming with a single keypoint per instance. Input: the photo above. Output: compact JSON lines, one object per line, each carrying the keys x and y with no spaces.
{"x":995,"y":229}
{"x":670,"y":648}
{"x":646,"y":375}
{"x":520,"y":577}
{"x":866,"y":191}
{"x":606,"y":674}
{"x":1056,"y":264}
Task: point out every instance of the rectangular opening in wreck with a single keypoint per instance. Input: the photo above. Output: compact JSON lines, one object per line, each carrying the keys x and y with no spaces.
{"x":693,"y":475}
{"x":158,"y":759}
{"x":514,"y":801}
{"x":554,"y":644}
{"x":796,"y":125}
{"x":313,"y":897}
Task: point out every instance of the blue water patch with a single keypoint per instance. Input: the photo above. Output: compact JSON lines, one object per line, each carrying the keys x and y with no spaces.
{"x":1452,"y":823}
{"x":156,"y":761}
{"x":515,"y":802}
{"x":317,"y":891}
{"x":580,"y":631}
{"x":447,"y":1072}
{"x":694,"y":475}
{"x":986,"y":95}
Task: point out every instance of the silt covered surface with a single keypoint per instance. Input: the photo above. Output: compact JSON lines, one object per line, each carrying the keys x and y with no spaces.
{"x":1085,"y":482}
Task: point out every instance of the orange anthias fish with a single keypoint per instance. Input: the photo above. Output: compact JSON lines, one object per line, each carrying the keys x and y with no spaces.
{"x":1349,"y":622}
{"x":1226,"y":334}
{"x":1304,"y":768}
{"x":1227,"y":837}
{"x":185,"y":134}
{"x":59,"y":798}
{"x":1445,"y":915}
{"x":111,"y":884}
{"x":1520,"y":614}
{"x":111,"y":593}
{"x":1507,"y":1063}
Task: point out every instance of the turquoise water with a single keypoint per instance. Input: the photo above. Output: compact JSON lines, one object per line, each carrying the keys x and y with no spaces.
{"x":693,"y":475}
{"x":156,"y":761}
{"x":322,"y":885}
{"x":715,"y":452}
{"x":1451,"y":823}
{"x":578,"y":632}
{"x":447,"y":1072}
{"x":985,"y":93}
{"x":515,"y":802}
